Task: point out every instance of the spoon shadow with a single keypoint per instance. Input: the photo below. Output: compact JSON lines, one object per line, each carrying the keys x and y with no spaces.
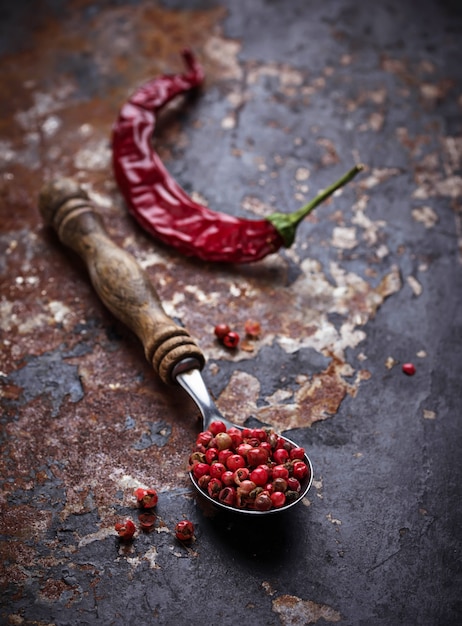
{"x":267,"y":539}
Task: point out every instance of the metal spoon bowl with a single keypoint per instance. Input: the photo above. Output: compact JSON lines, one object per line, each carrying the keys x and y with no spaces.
{"x":192,"y":382}
{"x":126,"y":290}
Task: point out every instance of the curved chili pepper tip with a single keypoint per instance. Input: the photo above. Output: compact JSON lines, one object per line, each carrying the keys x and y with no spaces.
{"x":193,"y":64}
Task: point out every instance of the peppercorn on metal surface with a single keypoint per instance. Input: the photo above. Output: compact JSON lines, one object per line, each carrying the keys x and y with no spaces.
{"x":357,"y":355}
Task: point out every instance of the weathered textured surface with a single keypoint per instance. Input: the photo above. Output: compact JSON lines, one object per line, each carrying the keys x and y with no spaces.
{"x":295,"y":93}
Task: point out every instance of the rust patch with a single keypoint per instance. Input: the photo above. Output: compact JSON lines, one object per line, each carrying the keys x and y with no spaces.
{"x":53,"y":590}
{"x":17,"y":561}
{"x":317,"y":398}
{"x":53,"y":125}
{"x":293,"y":611}
{"x":25,"y":522}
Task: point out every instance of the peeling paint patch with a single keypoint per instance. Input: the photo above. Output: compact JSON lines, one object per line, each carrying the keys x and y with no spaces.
{"x":287,"y":76}
{"x":333,"y":520}
{"x":390,"y":362}
{"x":330,"y":156}
{"x":425,"y":215}
{"x":317,"y":398}
{"x":268,"y":588}
{"x":150,"y":556}
{"x":378,"y":176}
{"x":239,"y":399}
{"x":414,"y":285}
{"x":294,"y":611}
{"x":16,"y":619}
{"x":49,"y":368}
{"x":6,"y":315}
{"x":375,"y":122}
{"x":24,"y":321}
{"x":317,"y":484}
{"x":302,"y":174}
{"x":100,"y":535}
{"x":344,"y":238}
{"x":185,"y":553}
{"x":59,"y":311}
{"x":95,"y":156}
{"x":224,"y":53}
{"x":450,"y":187}
{"x":432,"y":92}
{"x":370,"y":227}
{"x":125,"y":481}
{"x":320,"y":395}
{"x":256,"y":206}
{"x":228,"y":122}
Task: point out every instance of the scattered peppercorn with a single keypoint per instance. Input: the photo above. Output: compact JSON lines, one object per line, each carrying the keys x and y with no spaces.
{"x":278,"y":499}
{"x":226,"y":336}
{"x":252,"y":328}
{"x":147,"y":521}
{"x":231,"y":339}
{"x":409,"y":369}
{"x":252,"y":468}
{"x":221,"y":330}
{"x":125,"y":529}
{"x":146,"y":498}
{"x":184,"y":530}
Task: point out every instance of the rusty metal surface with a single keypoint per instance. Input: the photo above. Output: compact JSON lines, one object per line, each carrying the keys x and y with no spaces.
{"x":295,"y":93}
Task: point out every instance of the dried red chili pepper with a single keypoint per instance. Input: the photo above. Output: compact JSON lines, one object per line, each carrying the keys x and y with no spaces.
{"x":163,"y":208}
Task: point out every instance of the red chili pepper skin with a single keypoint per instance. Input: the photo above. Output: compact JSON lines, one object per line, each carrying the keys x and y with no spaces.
{"x":165,"y":210}
{"x":156,"y":200}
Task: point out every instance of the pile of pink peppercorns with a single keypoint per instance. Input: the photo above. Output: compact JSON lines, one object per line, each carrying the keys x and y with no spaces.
{"x":249,"y":468}
{"x":147,"y":499}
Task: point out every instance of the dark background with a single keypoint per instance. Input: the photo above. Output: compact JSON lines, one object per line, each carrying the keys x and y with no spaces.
{"x":372,"y":281}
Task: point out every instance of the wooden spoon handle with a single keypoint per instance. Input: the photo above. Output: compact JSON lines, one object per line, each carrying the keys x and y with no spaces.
{"x":123,"y":286}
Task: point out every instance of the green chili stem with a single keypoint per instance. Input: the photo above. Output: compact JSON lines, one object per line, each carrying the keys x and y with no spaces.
{"x":300,"y":214}
{"x":286,"y":223}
